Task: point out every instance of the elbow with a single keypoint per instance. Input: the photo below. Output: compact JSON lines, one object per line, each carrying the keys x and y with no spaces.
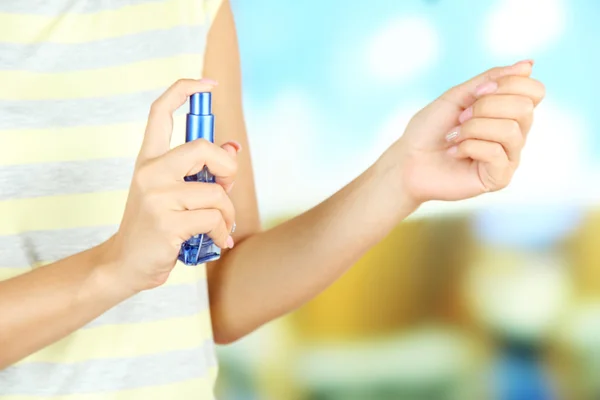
{"x":225,"y":335}
{"x":226,"y":331}
{"x":223,"y":339}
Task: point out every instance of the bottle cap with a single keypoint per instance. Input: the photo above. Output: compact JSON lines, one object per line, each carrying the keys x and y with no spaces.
{"x":200,"y":103}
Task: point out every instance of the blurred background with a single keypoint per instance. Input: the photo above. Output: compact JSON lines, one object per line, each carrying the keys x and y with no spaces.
{"x":492,"y":298}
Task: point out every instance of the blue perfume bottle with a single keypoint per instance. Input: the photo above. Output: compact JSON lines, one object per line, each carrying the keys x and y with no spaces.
{"x":200,"y":124}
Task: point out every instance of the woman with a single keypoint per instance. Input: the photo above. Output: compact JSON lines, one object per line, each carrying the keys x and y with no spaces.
{"x":110,"y":315}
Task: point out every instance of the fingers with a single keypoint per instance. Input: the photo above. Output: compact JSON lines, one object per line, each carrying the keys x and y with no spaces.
{"x":495,"y":170}
{"x":189,"y":159}
{"x":463,"y":95}
{"x":522,"y":86}
{"x":198,"y":195}
{"x":504,"y":106}
{"x":208,"y":222}
{"x":157,"y":138}
{"x":191,"y":208}
{"x":506,"y":132}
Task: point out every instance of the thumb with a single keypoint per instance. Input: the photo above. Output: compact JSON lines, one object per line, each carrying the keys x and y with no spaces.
{"x":463,"y":95}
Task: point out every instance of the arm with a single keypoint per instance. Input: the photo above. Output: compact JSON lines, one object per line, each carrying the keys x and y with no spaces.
{"x":43,"y":306}
{"x":273,"y":272}
{"x":270,"y":273}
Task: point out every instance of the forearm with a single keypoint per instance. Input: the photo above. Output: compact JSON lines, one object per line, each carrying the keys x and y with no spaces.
{"x":41,"y":307}
{"x":275,"y":271}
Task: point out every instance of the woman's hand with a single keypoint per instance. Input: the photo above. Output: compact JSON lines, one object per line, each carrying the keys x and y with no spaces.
{"x":162,"y":209}
{"x":469,"y":140}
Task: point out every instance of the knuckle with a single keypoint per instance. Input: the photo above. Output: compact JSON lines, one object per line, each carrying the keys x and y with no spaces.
{"x":142,"y":176}
{"x":513,"y":129}
{"x":152,"y":202}
{"x":469,"y":128}
{"x":508,"y":81}
{"x":500,"y":180}
{"x":498,"y":151}
{"x":494,"y":73}
{"x":527,"y":105}
{"x":214,"y":218}
{"x":201,"y":145}
{"x":166,"y":227}
{"x":156,"y":106}
{"x":217,"y":192}
{"x":465,"y":146}
{"x":483,"y":106}
{"x":542,"y":90}
{"x":512,"y":132}
{"x":179,"y":85}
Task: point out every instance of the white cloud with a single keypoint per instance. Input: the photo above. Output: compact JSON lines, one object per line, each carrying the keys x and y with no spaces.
{"x":518,"y":28}
{"x":402,"y":49}
{"x":554,"y":161}
{"x":285,"y":136}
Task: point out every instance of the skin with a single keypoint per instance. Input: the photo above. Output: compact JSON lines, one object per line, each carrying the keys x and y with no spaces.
{"x":465,"y":143}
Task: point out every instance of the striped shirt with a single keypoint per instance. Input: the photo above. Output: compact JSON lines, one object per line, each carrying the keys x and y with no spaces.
{"x":76,"y":82}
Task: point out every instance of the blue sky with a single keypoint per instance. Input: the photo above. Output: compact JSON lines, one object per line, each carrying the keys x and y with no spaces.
{"x":336,"y":80}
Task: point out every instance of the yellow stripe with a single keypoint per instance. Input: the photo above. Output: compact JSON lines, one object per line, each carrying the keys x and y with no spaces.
{"x":79,"y":28}
{"x":61,"y":212}
{"x":213,"y":373}
{"x":70,"y":144}
{"x":201,"y":388}
{"x":130,"y":78}
{"x":30,"y":146}
{"x":128,"y":340}
{"x":181,"y":273}
{"x":212,"y":8}
{"x":186,"y":274}
{"x":8,"y":273}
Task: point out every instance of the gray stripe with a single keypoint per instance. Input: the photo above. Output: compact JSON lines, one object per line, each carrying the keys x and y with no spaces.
{"x":99,"y":376}
{"x":28,"y":248}
{"x":54,"y":7}
{"x":65,"y":57}
{"x":171,"y":301}
{"x":43,"y":114}
{"x":50,"y":179}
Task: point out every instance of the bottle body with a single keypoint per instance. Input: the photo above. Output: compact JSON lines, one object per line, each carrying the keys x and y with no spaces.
{"x":199,"y":249}
{"x":200,"y":124}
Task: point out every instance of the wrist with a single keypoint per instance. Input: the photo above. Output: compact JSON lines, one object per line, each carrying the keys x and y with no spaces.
{"x":390,"y":173}
{"x":107,"y":272}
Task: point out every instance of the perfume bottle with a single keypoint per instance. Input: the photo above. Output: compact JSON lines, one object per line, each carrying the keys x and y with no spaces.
{"x":200,"y":124}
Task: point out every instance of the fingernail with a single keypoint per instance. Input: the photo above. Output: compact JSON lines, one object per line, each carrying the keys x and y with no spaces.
{"x":236,"y":145}
{"x":230,"y":188}
{"x":465,"y":115}
{"x":229,"y":242}
{"x":209,"y":81}
{"x":453,"y":150}
{"x":486,"y":88}
{"x":452,"y":135}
